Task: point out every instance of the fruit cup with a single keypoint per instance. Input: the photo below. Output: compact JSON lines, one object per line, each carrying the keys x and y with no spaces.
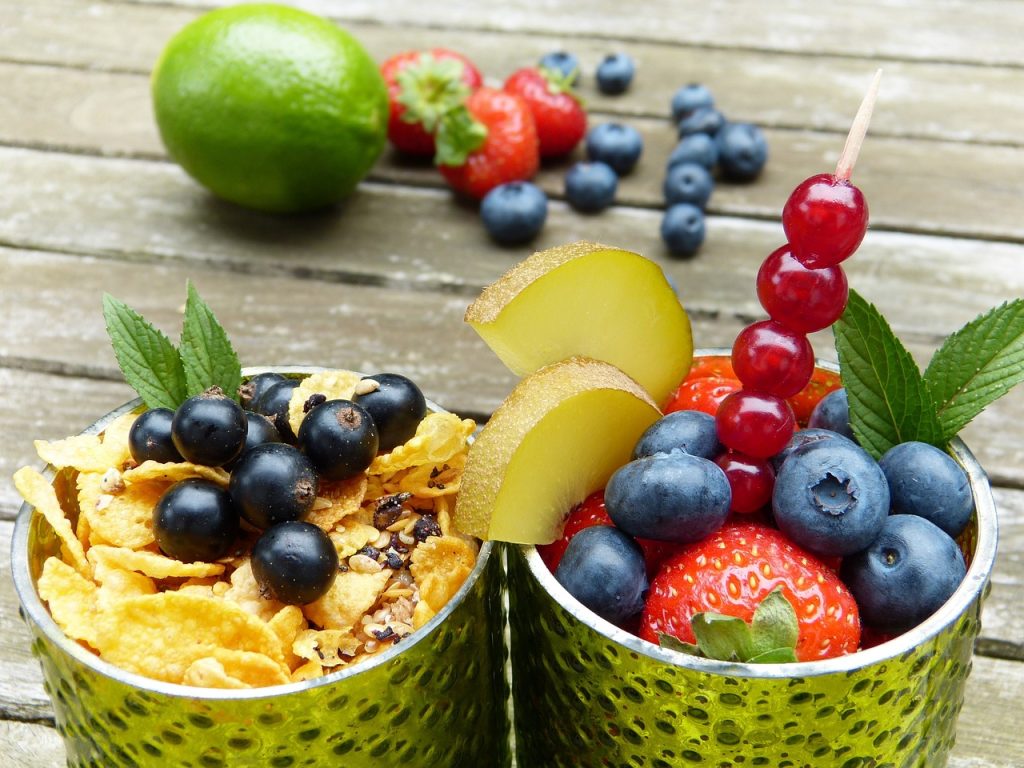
{"x":435,"y":698}
{"x":587,"y":693}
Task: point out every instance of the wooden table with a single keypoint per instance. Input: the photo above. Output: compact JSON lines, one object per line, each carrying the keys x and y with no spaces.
{"x":89,"y":203}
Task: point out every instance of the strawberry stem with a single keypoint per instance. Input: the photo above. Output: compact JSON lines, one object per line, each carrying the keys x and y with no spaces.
{"x":844,"y":169}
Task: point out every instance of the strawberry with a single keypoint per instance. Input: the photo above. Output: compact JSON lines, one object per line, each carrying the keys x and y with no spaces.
{"x":592,"y":512}
{"x":711,"y":365}
{"x":491,"y":141}
{"x":822,"y":382}
{"x":732,"y":571}
{"x":559,"y":115}
{"x":422,"y":87}
{"x":705,"y":393}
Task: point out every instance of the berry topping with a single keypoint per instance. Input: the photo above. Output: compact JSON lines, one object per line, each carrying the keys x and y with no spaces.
{"x":195,"y":521}
{"x":603,"y":568}
{"x":150,"y":437}
{"x":396,"y":406}
{"x":750,"y":479}
{"x":832,"y":413}
{"x":755,"y":423}
{"x":742,"y":151}
{"x":514,"y":212}
{"x":294,"y":563}
{"x":927,"y":482}
{"x":800,"y":439}
{"x":209,"y":429}
{"x":799,"y":297}
{"x":770,"y":358}
{"x":259,"y":431}
{"x":696,"y":148}
{"x":701,"y":120}
{"x":688,"y":183}
{"x":689,"y":98}
{"x":616,"y":144}
{"x":273,"y":404}
{"x":340,"y":438}
{"x":252,"y":390}
{"x":615,"y":73}
{"x":273,"y":483}
{"x":682,"y":229}
{"x":591,"y":187}
{"x":825,"y":219}
{"x":692,"y":432}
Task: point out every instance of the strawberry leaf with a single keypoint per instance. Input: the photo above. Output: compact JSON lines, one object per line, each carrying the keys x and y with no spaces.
{"x":889,"y":400}
{"x":977,"y":365}
{"x":774,"y":626}
{"x":673,"y":643}
{"x":722,"y":637}
{"x":147,"y":358}
{"x":431,"y":88}
{"x":775,"y":656}
{"x":458,"y":135}
{"x":206,"y":353}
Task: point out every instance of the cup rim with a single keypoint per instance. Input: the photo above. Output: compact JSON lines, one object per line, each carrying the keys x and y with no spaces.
{"x":970,"y":588}
{"x":35,"y":611}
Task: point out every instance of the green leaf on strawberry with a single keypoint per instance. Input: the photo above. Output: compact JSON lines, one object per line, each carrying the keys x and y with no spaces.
{"x":430,"y":89}
{"x":458,"y":135}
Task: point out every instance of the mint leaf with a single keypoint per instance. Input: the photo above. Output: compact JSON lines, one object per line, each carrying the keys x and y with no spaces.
{"x":977,"y":365}
{"x":673,"y":643}
{"x":206,"y":353}
{"x":722,"y":637}
{"x":774,"y":625}
{"x":147,"y":358}
{"x":889,"y":400}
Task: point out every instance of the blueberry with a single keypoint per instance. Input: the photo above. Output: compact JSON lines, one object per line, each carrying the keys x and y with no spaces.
{"x":272,"y":483}
{"x":616,"y":144}
{"x":604,"y":569}
{"x":294,"y":563}
{"x":563,"y":62}
{"x":688,"y":183}
{"x":590,"y":187}
{"x":273,"y":404}
{"x":209,"y":429}
{"x":742,"y":151}
{"x":195,"y":521}
{"x":833,"y":413}
{"x":830,"y":497}
{"x":696,"y":148}
{"x":150,"y":439}
{"x":615,"y":73}
{"x":692,"y":432}
{"x":514,"y":212}
{"x":927,"y":482}
{"x":252,"y":390}
{"x":905,"y":575}
{"x":688,"y":98}
{"x":702,"y":120}
{"x":682,"y":229}
{"x":397,"y":407}
{"x":802,"y":438}
{"x":340,"y":438}
{"x":669,"y":496}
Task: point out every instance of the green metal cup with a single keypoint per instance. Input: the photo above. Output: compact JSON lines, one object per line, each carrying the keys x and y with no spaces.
{"x":589,"y":694}
{"x":438,"y":698}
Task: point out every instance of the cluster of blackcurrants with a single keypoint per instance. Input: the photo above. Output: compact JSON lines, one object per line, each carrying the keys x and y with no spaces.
{"x":706,"y":141}
{"x":275,"y":475}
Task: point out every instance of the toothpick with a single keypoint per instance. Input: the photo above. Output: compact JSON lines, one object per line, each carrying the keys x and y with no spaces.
{"x":857,"y":131}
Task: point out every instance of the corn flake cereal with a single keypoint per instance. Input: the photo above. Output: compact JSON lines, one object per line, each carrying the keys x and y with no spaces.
{"x":328,"y":647}
{"x":337,"y":499}
{"x":122,"y":519}
{"x":117,"y":584}
{"x":173,"y":472}
{"x":86,"y":453}
{"x":440,"y":565}
{"x":115,"y":438}
{"x":351,"y":536}
{"x":150,"y":563}
{"x":351,"y":595}
{"x":334,"y":385}
{"x":38,"y":492}
{"x":207,"y":672}
{"x":72,"y":599}
{"x":439,"y":437}
{"x":254,"y":669}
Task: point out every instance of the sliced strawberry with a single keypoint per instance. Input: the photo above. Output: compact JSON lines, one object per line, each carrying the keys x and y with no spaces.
{"x":422,"y":87}
{"x":822,"y":382}
{"x":560,"y":118}
{"x":702,"y":394}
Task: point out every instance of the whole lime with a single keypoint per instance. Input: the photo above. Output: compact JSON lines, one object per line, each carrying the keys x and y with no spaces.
{"x":270,"y":107}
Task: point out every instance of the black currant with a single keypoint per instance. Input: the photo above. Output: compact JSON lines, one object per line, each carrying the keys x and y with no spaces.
{"x":209,"y":428}
{"x":397,"y":407}
{"x":294,"y":562}
{"x":252,"y":390}
{"x":340,"y":439}
{"x":149,"y":439}
{"x":259,"y":431}
{"x":195,"y":521}
{"x":273,"y":404}
{"x":273,"y":483}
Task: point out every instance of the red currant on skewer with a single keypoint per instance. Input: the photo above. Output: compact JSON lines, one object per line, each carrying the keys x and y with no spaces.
{"x":799,"y":297}
{"x":771,"y":358}
{"x":825,"y":219}
{"x":750,"y":479}
{"x":755,"y":423}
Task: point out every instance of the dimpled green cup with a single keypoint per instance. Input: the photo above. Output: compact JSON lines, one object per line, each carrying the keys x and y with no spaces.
{"x":587,"y":693}
{"x":437,"y":698}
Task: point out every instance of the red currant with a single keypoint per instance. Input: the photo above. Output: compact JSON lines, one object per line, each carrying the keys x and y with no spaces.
{"x":801,"y":298}
{"x":770,"y":358}
{"x":825,"y":219}
{"x":755,"y":423}
{"x":751,"y":480}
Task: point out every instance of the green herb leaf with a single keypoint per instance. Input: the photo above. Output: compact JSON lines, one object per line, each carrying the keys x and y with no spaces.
{"x":673,"y":643}
{"x":977,"y":365}
{"x":889,"y":400}
{"x":774,"y":656}
{"x":774,"y":625}
{"x":147,"y":358}
{"x":206,"y":353}
{"x":722,"y":637}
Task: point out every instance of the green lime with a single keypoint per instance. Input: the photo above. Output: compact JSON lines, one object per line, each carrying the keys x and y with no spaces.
{"x":270,"y":107}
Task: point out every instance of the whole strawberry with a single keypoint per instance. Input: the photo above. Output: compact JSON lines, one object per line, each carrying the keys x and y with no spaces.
{"x":559,"y":115}
{"x":493,"y":140}
{"x":732,"y":571}
{"x":422,"y":87}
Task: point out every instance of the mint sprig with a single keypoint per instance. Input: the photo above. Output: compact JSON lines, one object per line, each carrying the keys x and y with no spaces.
{"x":163,"y":375}
{"x":770,"y":638}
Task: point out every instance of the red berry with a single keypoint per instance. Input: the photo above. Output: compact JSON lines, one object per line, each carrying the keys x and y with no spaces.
{"x":755,"y":423}
{"x":560,"y":118}
{"x":799,"y":297}
{"x":702,"y":394}
{"x":822,"y":382}
{"x":825,"y":219}
{"x":751,"y":480}
{"x":711,"y":365}
{"x":770,"y":358}
{"x":733,"y":570}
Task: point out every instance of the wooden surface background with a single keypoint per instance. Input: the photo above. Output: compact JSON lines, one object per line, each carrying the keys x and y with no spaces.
{"x":89,"y":203}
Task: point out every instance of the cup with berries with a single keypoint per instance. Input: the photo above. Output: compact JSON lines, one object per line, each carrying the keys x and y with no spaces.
{"x":260,"y":567}
{"x":734,"y":557}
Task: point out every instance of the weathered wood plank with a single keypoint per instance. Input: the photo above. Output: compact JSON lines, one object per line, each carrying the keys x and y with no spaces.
{"x":30,"y":745}
{"x":973,"y":192}
{"x":914,"y":101}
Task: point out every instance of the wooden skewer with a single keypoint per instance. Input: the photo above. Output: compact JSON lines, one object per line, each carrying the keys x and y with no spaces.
{"x":844,"y":169}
